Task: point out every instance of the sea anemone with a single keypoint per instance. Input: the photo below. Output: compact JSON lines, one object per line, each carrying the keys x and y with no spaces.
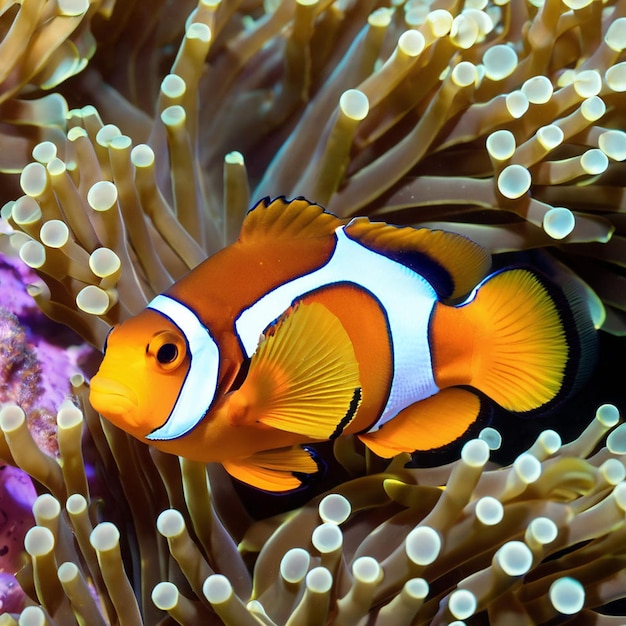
{"x":503,"y":121}
{"x":538,"y":540}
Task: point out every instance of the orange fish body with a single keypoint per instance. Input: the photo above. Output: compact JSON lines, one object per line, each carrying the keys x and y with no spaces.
{"x":310,"y":327}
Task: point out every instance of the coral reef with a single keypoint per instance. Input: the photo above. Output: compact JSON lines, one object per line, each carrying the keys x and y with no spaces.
{"x":503,"y":121}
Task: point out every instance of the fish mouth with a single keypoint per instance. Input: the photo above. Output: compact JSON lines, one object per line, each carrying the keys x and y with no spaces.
{"x":112,"y":398}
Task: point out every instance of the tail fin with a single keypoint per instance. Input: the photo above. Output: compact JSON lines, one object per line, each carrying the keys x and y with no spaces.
{"x":533,"y":342}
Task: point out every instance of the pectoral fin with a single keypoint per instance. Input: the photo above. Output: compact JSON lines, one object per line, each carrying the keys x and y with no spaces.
{"x":303,"y":378}
{"x":273,"y":470}
{"x":426,"y":425}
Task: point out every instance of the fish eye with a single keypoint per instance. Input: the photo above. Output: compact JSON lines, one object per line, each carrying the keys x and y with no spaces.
{"x":167,"y":350}
{"x":167,"y":353}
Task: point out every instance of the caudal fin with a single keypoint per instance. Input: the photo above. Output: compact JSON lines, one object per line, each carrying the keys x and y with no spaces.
{"x":527,"y":341}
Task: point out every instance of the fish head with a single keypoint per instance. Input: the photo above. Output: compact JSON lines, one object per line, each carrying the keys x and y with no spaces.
{"x":145,"y":364}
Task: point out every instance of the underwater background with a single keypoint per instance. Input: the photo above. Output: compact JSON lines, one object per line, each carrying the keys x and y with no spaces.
{"x":135,"y":135}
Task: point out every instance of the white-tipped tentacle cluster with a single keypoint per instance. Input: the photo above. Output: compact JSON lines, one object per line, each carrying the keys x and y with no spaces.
{"x":541,"y":538}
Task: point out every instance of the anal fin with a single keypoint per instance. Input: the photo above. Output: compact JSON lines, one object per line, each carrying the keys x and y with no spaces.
{"x":273,"y":470}
{"x":426,"y":425}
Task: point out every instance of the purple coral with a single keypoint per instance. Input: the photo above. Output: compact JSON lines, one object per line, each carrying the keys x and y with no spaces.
{"x":17,"y":495}
{"x":37,"y":358}
{"x":20,"y":375}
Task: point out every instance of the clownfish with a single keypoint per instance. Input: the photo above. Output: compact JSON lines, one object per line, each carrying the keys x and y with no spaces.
{"x":310,"y":327}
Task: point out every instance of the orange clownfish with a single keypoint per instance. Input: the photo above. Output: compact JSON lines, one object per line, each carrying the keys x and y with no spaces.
{"x":310,"y":327}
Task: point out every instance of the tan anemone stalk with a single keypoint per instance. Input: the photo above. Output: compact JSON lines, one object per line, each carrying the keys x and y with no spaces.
{"x":44,"y":43}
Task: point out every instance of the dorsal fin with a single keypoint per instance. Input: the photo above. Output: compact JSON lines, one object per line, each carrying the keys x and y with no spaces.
{"x":287,"y":219}
{"x":452,"y":263}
